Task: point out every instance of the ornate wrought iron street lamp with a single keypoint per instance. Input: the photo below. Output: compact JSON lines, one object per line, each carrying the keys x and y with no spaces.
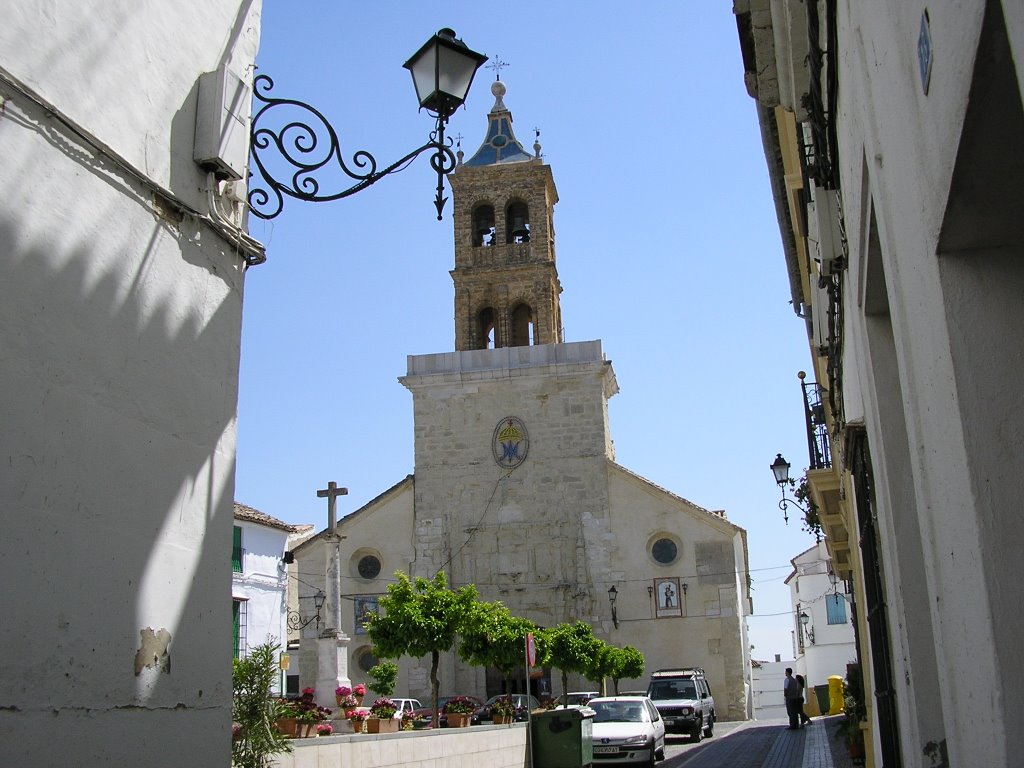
{"x":294,"y":146}
{"x":780,"y":468}
{"x":295,"y":620}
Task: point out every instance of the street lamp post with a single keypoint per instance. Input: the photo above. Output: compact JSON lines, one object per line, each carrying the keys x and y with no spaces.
{"x":613,"y":596}
{"x":295,"y":148}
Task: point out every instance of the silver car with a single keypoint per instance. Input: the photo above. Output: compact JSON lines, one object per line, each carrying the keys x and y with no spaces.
{"x":627,"y":729}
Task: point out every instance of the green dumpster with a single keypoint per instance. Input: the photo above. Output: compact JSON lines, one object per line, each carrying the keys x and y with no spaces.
{"x":562,"y":738}
{"x":821,"y":693}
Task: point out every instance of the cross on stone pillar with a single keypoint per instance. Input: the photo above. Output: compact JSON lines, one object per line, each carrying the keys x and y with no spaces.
{"x":331,"y":493}
{"x":332,"y":643}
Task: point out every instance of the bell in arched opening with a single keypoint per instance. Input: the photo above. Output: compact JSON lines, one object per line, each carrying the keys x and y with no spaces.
{"x":483,"y":225}
{"x":517,"y":222}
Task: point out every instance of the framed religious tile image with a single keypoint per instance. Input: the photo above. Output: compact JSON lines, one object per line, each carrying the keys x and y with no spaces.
{"x":364,"y":607}
{"x":667,"y":598}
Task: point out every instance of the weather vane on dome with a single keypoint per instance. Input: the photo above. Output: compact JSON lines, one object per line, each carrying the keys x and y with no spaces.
{"x":497,"y":65}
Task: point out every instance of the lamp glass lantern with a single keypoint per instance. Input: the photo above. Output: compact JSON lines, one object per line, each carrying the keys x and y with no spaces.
{"x":319,"y":599}
{"x":442,"y":72}
{"x":780,"y":468}
{"x":613,"y":595}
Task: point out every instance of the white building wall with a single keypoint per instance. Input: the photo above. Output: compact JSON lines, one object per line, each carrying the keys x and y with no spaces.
{"x":767,"y":689}
{"x":931,"y":340}
{"x":262,"y":583}
{"x":834,"y":645}
{"x":121,"y":320}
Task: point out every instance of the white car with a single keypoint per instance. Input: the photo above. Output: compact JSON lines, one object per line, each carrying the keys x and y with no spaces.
{"x":627,"y":729}
{"x":405,"y":705}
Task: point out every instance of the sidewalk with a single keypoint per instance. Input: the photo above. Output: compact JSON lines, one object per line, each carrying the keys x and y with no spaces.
{"x":769,"y":744}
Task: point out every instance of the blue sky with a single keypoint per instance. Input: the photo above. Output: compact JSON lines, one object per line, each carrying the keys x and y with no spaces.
{"x":667,"y":244}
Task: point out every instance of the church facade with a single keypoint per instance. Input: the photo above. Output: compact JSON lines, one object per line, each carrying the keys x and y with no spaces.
{"x":516,"y":488}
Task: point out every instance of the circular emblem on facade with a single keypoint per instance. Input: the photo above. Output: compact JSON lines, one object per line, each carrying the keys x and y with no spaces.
{"x":510,"y":443}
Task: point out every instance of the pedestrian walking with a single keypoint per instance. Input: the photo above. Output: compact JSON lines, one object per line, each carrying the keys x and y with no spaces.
{"x":793,"y":695}
{"x":804,"y":719}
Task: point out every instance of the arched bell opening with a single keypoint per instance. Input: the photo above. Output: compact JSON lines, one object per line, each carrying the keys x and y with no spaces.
{"x":522,"y":326}
{"x":517,"y":222}
{"x":483,"y":225}
{"x":486,"y":332}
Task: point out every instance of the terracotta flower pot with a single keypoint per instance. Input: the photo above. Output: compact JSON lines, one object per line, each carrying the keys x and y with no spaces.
{"x":502,"y":719}
{"x":459,"y":719}
{"x":377,"y":725}
{"x":286,"y":725}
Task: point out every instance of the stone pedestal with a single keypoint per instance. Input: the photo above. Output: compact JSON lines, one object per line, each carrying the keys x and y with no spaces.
{"x":332,"y":667}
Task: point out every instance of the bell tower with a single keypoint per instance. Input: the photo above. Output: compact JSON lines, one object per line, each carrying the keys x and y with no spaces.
{"x":506,"y":284}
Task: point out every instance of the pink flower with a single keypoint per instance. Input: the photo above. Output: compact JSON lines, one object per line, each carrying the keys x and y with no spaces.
{"x":359,"y":690}
{"x":342,"y":690}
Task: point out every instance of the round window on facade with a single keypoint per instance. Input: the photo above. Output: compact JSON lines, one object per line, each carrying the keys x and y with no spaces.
{"x":369,"y":566}
{"x":365,"y":659}
{"x":665,"y":551}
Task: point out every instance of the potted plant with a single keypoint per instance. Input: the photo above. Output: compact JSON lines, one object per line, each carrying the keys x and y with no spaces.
{"x":309,"y":714}
{"x":345,"y":698}
{"x":356,"y":717}
{"x":503,"y":710}
{"x":408,"y":718}
{"x":359,"y":690}
{"x":856,"y":710}
{"x":324,"y":729}
{"x":286,"y":716}
{"x":459,"y":710}
{"x":382,"y":716}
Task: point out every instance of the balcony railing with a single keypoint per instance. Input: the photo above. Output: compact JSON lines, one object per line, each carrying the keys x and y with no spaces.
{"x":818,"y":450}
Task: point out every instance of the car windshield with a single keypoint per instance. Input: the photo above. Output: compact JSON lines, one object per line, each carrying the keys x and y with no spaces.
{"x":617,"y":711}
{"x":673,"y":689}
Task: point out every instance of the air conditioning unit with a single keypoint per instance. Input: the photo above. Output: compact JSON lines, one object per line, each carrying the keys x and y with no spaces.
{"x":826,"y":221}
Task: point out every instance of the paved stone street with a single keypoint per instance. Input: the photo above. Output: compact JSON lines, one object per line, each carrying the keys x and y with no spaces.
{"x":764,"y":744}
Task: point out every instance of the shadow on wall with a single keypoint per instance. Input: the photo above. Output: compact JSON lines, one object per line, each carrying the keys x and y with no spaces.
{"x":120,"y":389}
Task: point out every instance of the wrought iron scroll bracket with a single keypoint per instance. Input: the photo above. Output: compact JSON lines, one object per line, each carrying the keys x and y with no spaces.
{"x":298,"y":157}
{"x":295,"y":621}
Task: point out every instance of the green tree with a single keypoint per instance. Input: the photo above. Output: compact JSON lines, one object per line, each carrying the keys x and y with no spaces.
{"x":571,"y":648}
{"x":629,"y":664}
{"x":493,"y":637}
{"x":385,"y":677}
{"x":252,"y":708}
{"x":420,"y":617}
{"x":603,"y":664}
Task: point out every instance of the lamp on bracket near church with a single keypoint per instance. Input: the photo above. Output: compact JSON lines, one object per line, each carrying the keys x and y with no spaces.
{"x":295,"y":620}
{"x":296,"y":151}
{"x":613,"y":596}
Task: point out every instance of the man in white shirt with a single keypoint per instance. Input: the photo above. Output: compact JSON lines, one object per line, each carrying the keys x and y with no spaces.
{"x":793,"y":694}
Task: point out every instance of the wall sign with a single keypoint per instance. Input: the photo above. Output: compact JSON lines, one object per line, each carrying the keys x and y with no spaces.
{"x":510,"y":442}
{"x":668,"y":598}
{"x":924,"y":51}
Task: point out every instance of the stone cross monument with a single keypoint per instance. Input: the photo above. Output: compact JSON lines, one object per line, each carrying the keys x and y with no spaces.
{"x":332,"y":642}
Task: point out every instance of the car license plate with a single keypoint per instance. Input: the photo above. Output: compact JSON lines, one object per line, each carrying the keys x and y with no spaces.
{"x":605,"y":750}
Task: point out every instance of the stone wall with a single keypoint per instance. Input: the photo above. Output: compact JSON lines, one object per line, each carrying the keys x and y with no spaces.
{"x":494,"y":746}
